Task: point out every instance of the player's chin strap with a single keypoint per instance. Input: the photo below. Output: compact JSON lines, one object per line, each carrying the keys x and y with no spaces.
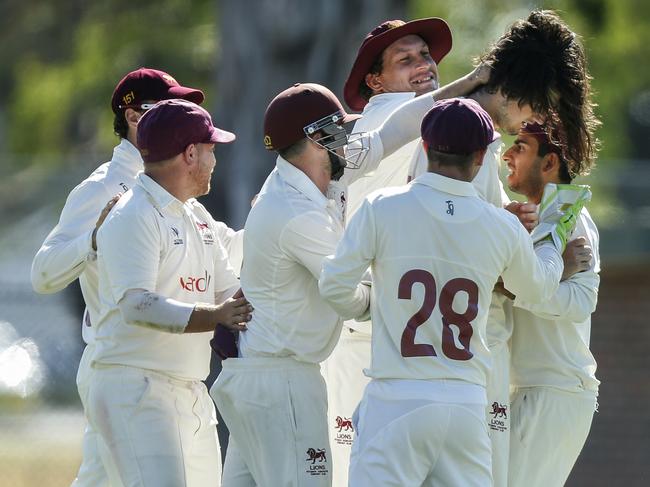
{"x":345,"y":150}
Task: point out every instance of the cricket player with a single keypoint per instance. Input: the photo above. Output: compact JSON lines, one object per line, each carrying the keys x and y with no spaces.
{"x":69,"y":251}
{"x":274,"y":394}
{"x":435,"y":250}
{"x":553,"y":370}
{"x":397,"y":61}
{"x":538,"y":70}
{"x":165,"y":283}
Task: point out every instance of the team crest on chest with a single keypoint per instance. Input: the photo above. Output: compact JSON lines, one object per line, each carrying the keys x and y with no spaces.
{"x":206,"y":233}
{"x":176,"y":236}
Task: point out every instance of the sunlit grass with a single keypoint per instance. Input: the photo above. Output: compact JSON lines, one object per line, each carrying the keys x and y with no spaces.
{"x":38,"y":447}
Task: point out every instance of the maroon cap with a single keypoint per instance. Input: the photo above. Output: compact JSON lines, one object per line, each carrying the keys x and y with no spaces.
{"x":434,"y":31}
{"x":147,"y":84}
{"x":171,"y":125}
{"x":457,"y":126}
{"x":541,"y":133}
{"x":292,"y":111}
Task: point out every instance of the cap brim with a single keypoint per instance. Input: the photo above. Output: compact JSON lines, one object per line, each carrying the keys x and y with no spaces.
{"x":434,"y":31}
{"x":220,"y":136}
{"x":189,"y":94}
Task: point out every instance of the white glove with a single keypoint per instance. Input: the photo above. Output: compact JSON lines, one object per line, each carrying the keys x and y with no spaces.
{"x":559,"y":211}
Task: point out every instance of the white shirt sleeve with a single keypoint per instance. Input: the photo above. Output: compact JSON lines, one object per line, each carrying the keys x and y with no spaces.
{"x":533,"y":274}
{"x":65,"y":251}
{"x":369,"y":163}
{"x":400,"y":128}
{"x":233,"y":242}
{"x":130,"y":247}
{"x":575,"y":299}
{"x":225,"y":282}
{"x":151,"y":310}
{"x":308,"y":239}
{"x":403,"y":125}
{"x":340,"y":279}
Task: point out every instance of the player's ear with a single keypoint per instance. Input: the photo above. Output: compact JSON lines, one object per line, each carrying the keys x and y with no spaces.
{"x":191,"y":153}
{"x":550,"y":163}
{"x":374,"y":83}
{"x":132,"y":117}
{"x":478,"y":157}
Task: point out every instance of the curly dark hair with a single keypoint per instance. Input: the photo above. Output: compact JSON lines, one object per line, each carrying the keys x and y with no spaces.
{"x":541,"y":62}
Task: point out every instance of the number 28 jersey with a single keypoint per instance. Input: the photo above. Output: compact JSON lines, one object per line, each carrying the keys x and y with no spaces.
{"x":435,"y":250}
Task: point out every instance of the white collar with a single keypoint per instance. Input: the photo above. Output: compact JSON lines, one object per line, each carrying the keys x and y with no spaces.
{"x":448,"y":185}
{"x":160,"y":197}
{"x":128,"y":154}
{"x":300,"y":181}
{"x":381,"y":98}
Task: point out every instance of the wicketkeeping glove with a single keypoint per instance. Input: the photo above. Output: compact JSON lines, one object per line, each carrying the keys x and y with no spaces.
{"x":559,"y":211}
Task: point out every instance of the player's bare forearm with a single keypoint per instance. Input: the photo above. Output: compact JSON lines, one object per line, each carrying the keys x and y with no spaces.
{"x":233,"y":314}
{"x":464,"y":85}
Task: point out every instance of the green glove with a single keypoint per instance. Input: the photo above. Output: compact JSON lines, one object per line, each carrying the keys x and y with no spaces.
{"x":559,"y":211}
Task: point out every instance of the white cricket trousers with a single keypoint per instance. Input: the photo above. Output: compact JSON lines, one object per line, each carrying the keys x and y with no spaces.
{"x":91,"y":471}
{"x":498,"y":411}
{"x":549,"y":429}
{"x":409,"y":441}
{"x":276,"y":411}
{"x":160,"y":431}
{"x":343,"y":372}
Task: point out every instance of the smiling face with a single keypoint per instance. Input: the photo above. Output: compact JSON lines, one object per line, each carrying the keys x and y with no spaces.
{"x":407,"y":67}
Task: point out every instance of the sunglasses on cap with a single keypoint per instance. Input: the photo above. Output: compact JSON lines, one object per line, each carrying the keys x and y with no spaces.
{"x":143,"y":107}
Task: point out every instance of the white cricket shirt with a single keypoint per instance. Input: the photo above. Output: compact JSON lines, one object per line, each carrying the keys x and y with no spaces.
{"x":152,"y":241}
{"x":490,"y":188}
{"x":66,"y":253}
{"x":436,"y":250}
{"x":289,"y":231}
{"x":550,"y":341}
{"x":393,"y":170}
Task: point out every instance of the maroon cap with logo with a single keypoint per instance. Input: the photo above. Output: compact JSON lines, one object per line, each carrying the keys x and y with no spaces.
{"x":171,"y":125}
{"x":435,"y":32}
{"x":150,"y":85}
{"x":457,"y":126}
{"x":295,"y":108}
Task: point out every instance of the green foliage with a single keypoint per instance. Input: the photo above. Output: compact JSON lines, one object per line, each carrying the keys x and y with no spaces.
{"x":62,"y":59}
{"x":59,"y":93}
{"x":615,"y":33}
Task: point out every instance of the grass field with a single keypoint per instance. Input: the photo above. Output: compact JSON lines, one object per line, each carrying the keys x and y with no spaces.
{"x":40,"y":449}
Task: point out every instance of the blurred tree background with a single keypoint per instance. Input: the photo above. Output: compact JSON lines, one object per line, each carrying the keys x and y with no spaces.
{"x":60,"y":61}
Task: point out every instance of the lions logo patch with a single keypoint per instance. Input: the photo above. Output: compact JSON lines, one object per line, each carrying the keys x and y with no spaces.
{"x":316,"y":462}
{"x":344,"y":431}
{"x":499,"y":420}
